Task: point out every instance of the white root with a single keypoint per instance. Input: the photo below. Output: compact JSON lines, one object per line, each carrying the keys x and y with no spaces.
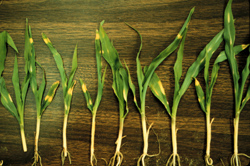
{"x":145,"y":150}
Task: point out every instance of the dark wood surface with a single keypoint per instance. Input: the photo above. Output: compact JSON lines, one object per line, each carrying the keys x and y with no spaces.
{"x":74,"y":21}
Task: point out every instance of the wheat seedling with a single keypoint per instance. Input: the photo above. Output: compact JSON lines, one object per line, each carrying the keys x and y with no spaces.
{"x":68,"y":86}
{"x":229,"y":37}
{"x":94,"y":107}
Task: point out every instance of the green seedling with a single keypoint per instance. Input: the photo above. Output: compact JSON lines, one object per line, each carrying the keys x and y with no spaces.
{"x":229,"y":37}
{"x":120,"y":86}
{"x":144,"y":81}
{"x":93,"y":108}
{"x":20,"y":92}
{"x":68,"y":86}
{"x":194,"y":69}
{"x":204,"y":98}
{"x":41,"y":104}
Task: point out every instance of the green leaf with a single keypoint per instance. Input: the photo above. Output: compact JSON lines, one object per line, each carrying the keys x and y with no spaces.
{"x":74,"y":67}
{"x":140,"y":75}
{"x":59,"y":63}
{"x":100,"y":78}
{"x":229,"y":36}
{"x":7,"y":100}
{"x":11,"y":42}
{"x":15,"y":81}
{"x":200,"y":95}
{"x":125,"y":90}
{"x":5,"y":39}
{"x":165,"y":53}
{"x":132,"y":87}
{"x":178,"y":66}
{"x":245,"y":74}
{"x":68,"y":97}
{"x":49,"y":97}
{"x":87,"y":96}
{"x":108,"y":50}
{"x":159,"y":92}
{"x":199,"y":64}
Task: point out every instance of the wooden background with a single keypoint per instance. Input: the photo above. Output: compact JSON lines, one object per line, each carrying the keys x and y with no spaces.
{"x":67,"y":22}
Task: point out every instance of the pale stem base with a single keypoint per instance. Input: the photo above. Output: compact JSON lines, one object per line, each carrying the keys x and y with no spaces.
{"x":23,"y":138}
{"x":65,"y":152}
{"x":93,"y":159}
{"x":174,"y":159}
{"x":208,"y":160}
{"x":37,"y":157}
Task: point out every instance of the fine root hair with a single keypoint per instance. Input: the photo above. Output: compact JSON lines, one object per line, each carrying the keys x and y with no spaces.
{"x":116,"y":160}
{"x":37,"y":158}
{"x":235,"y":159}
{"x":172,"y":162}
{"x":63,"y":157}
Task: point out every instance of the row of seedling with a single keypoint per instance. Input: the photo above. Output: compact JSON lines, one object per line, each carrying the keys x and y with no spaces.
{"x":122,"y":83}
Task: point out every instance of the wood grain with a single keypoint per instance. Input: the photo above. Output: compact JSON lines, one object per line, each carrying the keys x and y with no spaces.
{"x":67,"y":22}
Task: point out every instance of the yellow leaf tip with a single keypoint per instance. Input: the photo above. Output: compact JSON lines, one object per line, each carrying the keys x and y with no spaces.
{"x":84,"y":88}
{"x":196,"y":82}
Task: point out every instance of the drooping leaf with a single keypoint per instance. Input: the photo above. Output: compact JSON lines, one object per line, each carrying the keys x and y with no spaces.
{"x":159,"y":92}
{"x":108,"y":50}
{"x":59,"y":63}
{"x":7,"y":100}
{"x":49,"y":97}
{"x":140,"y":75}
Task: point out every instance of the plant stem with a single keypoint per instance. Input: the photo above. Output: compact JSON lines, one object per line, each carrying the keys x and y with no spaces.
{"x":174,"y":139}
{"x":208,"y":133}
{"x":119,"y":139}
{"x":145,"y":135}
{"x":92,"y":154}
{"x":23,"y":137}
{"x":38,"y":122}
{"x":65,"y":150}
{"x":236,"y":129}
